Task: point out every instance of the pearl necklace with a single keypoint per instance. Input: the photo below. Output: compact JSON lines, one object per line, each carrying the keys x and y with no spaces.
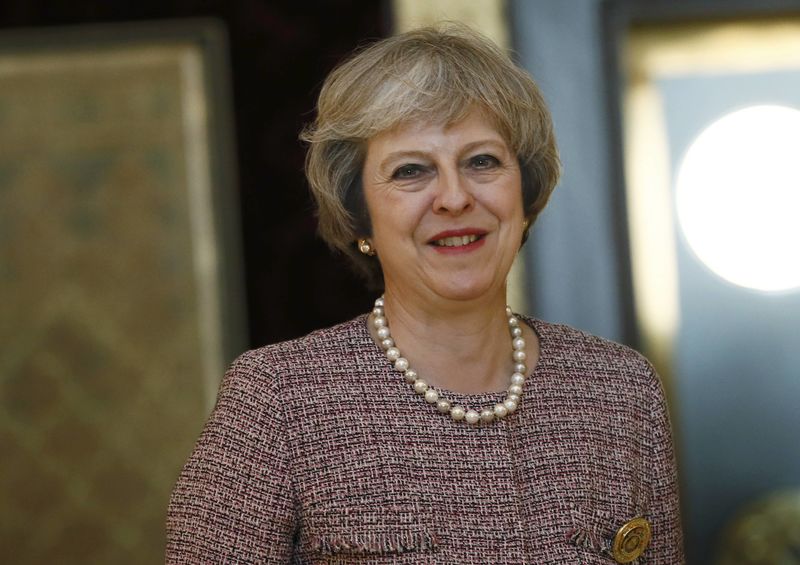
{"x":458,"y":413}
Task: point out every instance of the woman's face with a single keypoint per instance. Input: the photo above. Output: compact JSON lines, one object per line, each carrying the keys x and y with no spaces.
{"x":445,"y":203}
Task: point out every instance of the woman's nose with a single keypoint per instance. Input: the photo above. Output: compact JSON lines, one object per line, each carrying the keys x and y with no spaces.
{"x":452,"y":193}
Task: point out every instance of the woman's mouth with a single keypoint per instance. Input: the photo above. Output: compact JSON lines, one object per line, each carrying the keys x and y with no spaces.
{"x":456,"y":241}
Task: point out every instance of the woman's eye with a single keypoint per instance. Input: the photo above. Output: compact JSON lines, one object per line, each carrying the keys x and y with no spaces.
{"x":484,"y":162}
{"x":407,"y":172}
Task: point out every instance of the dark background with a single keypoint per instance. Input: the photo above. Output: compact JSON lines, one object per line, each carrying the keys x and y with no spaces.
{"x":280,"y":52}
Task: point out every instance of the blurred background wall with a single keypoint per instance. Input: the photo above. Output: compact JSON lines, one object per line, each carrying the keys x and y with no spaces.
{"x":110,"y":302}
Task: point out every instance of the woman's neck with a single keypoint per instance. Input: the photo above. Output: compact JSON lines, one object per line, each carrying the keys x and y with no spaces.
{"x":463,"y":347}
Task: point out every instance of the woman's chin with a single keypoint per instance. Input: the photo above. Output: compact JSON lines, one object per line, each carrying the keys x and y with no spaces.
{"x":464,"y":290}
{"x":451,"y":285}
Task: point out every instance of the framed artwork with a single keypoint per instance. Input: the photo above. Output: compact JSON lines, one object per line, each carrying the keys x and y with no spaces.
{"x":707,"y":101}
{"x":120,"y":278}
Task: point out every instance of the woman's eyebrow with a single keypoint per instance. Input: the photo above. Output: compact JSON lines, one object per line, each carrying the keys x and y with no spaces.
{"x":400,"y":155}
{"x":490,"y":141}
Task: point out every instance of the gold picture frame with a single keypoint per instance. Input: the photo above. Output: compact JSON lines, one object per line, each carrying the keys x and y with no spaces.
{"x":120,"y":273}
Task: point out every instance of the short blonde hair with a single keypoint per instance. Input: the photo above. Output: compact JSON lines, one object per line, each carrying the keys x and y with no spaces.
{"x":437,"y":73}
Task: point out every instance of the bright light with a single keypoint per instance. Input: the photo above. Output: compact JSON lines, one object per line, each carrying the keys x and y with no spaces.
{"x":738,"y":197}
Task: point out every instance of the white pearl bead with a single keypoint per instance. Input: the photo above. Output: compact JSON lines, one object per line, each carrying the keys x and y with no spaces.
{"x":513,"y":322}
{"x":472,"y":417}
{"x":514,"y":397}
{"x":401,"y":364}
{"x":520,"y":368}
{"x":515,"y":389}
{"x":509,"y":312}
{"x":500,"y":411}
{"x":487,"y":415}
{"x":377,"y":311}
{"x":517,"y":379}
{"x":443,"y":406}
{"x":379,"y":302}
{"x":518,"y":343}
{"x":387,"y":343}
{"x":510,"y":405}
{"x":431,"y":396}
{"x":393,"y":354}
{"x":383,"y":333}
{"x":457,"y":413}
{"x":379,"y":322}
{"x":411,"y":376}
{"x":516,"y":332}
{"x":420,"y":386}
{"x":519,"y":356}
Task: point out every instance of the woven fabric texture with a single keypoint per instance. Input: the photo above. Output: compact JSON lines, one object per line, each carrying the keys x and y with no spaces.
{"x":319,"y":452}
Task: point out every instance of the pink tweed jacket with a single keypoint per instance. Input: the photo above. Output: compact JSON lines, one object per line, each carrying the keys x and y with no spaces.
{"x":319,"y":452}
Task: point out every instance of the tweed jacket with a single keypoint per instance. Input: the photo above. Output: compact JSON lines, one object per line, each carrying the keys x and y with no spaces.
{"x":319,"y":452}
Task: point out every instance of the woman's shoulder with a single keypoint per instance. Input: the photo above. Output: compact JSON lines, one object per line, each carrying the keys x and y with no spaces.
{"x":590,"y":354}
{"x":578,"y":365}
{"x":334,"y":339}
{"x":300,"y":361}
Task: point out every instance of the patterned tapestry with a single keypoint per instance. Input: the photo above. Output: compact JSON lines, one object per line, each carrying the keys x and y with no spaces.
{"x":109,"y":320}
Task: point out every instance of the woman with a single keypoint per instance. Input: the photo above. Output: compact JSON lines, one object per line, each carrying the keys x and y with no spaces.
{"x":441,"y":427}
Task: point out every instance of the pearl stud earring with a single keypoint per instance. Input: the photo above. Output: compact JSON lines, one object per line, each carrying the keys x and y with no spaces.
{"x":365,"y":246}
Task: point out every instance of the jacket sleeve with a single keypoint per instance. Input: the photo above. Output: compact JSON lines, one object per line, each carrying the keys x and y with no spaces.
{"x":233,"y":502}
{"x":666,"y":546}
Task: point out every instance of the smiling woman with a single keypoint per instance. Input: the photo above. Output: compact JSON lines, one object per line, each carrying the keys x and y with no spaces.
{"x":417,"y":79}
{"x":466,"y":433}
{"x":446,"y":209}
